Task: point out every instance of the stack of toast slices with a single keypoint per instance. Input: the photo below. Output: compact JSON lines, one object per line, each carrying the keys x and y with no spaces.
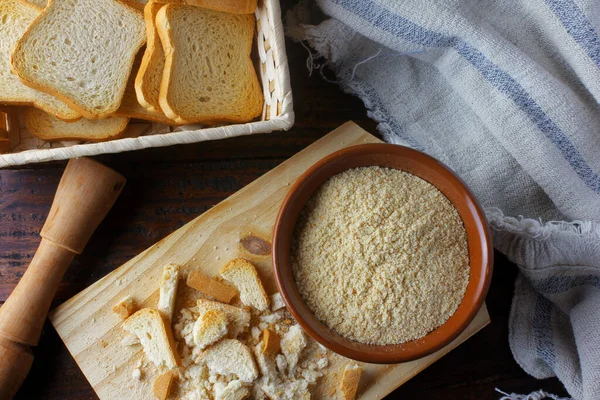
{"x":82,"y":69}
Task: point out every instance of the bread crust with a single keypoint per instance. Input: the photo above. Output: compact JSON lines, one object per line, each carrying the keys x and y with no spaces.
{"x":41,"y":124}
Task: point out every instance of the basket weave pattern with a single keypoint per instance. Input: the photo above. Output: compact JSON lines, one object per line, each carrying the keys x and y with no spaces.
{"x":277,"y":112}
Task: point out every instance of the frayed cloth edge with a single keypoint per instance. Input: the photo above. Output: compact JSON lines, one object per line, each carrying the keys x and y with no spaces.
{"x":536,"y":229}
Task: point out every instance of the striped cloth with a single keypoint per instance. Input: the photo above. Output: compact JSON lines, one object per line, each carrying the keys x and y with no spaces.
{"x":506,"y":93}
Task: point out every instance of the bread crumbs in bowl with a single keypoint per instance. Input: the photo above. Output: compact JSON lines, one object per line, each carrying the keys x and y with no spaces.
{"x":381,"y":253}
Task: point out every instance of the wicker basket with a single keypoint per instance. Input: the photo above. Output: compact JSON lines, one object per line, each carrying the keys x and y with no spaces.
{"x":278,"y":114}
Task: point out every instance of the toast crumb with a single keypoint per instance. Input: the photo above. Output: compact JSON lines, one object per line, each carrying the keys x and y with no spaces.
{"x":277,"y":302}
{"x":350,"y":381}
{"x":271,"y":342}
{"x":136,"y":374}
{"x":211,"y":287}
{"x":162,"y":385}
{"x":292,"y":344}
{"x":125,"y":307}
{"x":234,"y":390}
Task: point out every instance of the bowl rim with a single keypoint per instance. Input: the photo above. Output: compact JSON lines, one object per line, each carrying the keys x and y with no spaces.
{"x":377,"y":354}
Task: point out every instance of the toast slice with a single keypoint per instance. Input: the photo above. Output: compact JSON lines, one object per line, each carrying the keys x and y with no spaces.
{"x":130,"y":106}
{"x":156,"y":337}
{"x":238,"y":319}
{"x":50,"y":128}
{"x":208,"y":75}
{"x":230,"y":6}
{"x":230,"y":356}
{"x":147,"y":80}
{"x":168,"y":291}
{"x":243,"y":275}
{"x":82,"y":52}
{"x":16,"y":17}
{"x":209,"y":328}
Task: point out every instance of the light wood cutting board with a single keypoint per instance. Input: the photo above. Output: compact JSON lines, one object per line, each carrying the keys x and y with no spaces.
{"x":237,"y":227}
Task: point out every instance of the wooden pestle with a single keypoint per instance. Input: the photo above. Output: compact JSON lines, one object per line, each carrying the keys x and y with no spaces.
{"x":85,"y":194}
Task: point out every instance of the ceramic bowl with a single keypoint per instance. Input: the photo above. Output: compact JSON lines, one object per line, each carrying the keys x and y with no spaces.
{"x":425,"y":167}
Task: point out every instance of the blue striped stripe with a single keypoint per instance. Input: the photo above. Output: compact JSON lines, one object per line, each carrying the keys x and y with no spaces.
{"x":400,"y":27}
{"x":578,"y":26}
{"x":542,"y":327}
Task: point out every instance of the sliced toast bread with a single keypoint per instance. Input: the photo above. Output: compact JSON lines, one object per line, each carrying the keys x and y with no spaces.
{"x":130,"y":106}
{"x":16,"y":16}
{"x":156,"y":337}
{"x":208,"y":75}
{"x":231,"y":356}
{"x":81,"y":51}
{"x":147,"y":81}
{"x":50,"y":128}
{"x":243,"y":275}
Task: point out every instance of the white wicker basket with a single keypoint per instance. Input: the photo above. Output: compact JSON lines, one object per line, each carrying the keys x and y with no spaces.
{"x":277,"y":113}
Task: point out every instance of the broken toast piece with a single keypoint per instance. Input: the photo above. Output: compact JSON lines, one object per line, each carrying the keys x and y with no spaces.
{"x":156,"y":337}
{"x":230,"y":356}
{"x":238,"y":318}
{"x":211,"y":287}
{"x":125,"y":307}
{"x":209,"y":328}
{"x":350,"y":381}
{"x":243,"y":275}
{"x":168,"y":291}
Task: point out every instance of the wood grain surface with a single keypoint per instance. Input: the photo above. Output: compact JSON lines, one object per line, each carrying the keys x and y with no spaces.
{"x":168,"y":187}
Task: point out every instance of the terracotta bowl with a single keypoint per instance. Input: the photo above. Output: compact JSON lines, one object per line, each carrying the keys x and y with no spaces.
{"x":425,"y":167}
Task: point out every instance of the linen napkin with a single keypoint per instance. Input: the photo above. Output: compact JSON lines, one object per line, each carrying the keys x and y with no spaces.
{"x":506,"y":94}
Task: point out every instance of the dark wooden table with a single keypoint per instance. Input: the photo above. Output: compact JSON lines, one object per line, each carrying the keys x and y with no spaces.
{"x":168,"y":187}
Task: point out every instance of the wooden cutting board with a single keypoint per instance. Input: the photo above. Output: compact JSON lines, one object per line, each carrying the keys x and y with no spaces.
{"x":239,"y":226}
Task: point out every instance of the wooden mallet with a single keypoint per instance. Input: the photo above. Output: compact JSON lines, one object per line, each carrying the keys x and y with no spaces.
{"x":85,"y":194}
